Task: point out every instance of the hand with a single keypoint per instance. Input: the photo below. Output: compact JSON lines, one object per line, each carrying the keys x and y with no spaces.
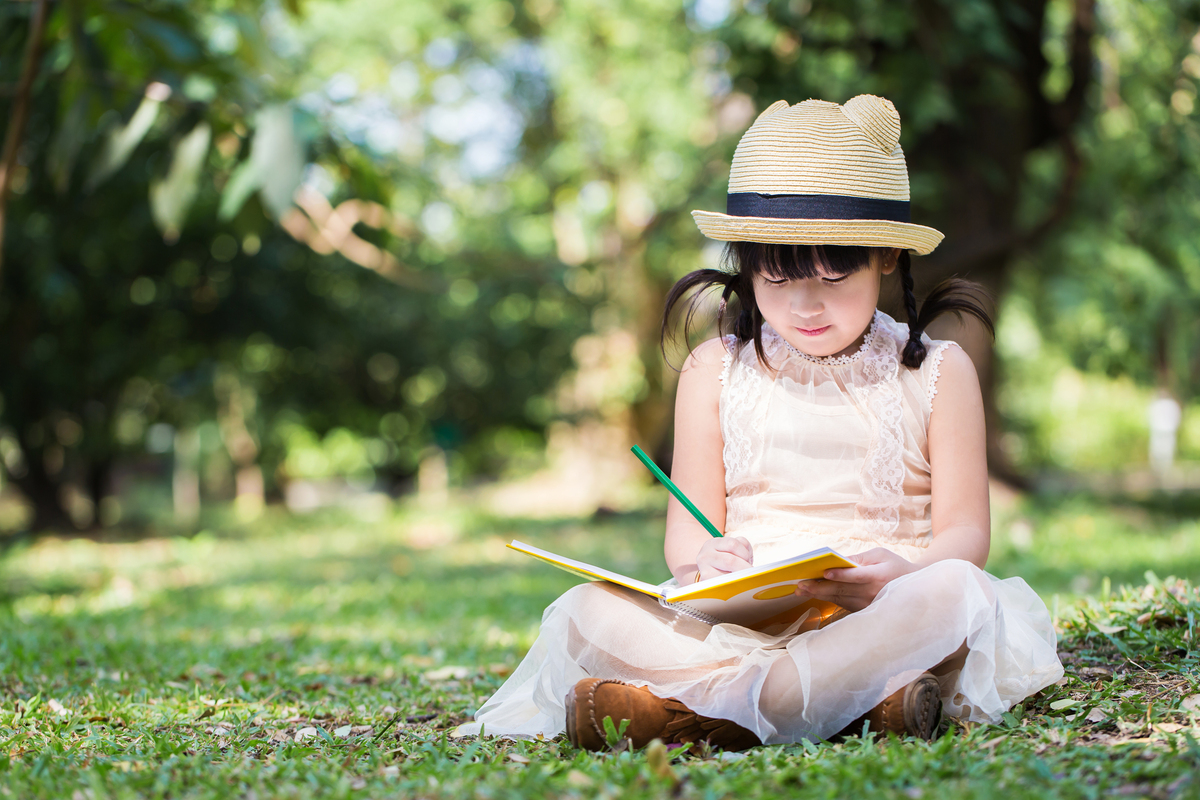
{"x":855,"y":588}
{"x":719,"y":556}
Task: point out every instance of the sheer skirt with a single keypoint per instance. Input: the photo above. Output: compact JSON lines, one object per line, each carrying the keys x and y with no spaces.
{"x":990,"y":641}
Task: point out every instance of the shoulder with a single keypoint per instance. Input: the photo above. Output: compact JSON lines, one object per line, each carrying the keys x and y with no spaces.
{"x":707,"y":356}
{"x":953,"y":381}
{"x":701,"y":379}
{"x":709,"y":361}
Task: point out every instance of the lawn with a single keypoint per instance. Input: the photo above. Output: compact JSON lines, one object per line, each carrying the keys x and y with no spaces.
{"x":331,"y":656}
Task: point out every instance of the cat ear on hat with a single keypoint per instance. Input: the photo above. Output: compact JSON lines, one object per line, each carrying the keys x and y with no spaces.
{"x":778,"y":105}
{"x":877,"y":118}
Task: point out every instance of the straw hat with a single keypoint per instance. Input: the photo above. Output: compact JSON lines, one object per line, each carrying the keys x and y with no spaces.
{"x":820,"y":173}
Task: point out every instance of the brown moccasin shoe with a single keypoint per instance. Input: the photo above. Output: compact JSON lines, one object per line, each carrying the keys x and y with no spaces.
{"x":650,"y":717}
{"x":915,"y":710}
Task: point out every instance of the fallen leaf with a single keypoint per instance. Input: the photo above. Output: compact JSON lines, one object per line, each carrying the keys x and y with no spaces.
{"x":391,"y":771}
{"x":577,"y":780}
{"x":1096,"y":672}
{"x":450,"y":673}
{"x":343,"y":732}
{"x":56,"y":707}
{"x":1110,"y":629}
{"x":500,"y":670}
{"x":206,"y":713}
{"x":1096,"y":715}
{"x":1191,"y":703}
{"x":358,"y":783}
{"x":1169,"y":727}
{"x":517,"y":757}
{"x":305,"y":733}
{"x":1059,"y":705}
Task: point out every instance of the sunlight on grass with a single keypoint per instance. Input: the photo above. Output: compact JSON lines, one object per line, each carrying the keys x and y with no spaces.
{"x":330,"y":653}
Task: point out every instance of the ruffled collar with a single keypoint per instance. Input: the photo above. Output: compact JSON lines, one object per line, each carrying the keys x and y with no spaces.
{"x":832,"y":361}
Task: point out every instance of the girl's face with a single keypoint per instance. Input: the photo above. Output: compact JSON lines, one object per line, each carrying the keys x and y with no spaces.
{"x":826,"y":315}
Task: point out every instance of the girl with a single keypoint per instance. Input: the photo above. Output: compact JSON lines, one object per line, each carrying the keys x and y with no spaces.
{"x":819,"y":421}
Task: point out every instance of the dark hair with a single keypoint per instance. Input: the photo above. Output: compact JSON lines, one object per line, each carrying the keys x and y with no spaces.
{"x":794,"y":262}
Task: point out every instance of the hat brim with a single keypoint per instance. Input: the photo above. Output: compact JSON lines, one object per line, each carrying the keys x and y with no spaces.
{"x":864,"y":232}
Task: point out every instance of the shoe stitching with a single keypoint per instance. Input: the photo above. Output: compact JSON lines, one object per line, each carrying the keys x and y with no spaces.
{"x":592,"y":704}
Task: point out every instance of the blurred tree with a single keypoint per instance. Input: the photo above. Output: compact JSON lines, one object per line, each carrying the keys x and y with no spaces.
{"x":1117,"y":286}
{"x":147,"y":283}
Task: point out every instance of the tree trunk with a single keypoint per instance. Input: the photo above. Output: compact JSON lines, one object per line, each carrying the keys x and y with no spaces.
{"x":44,"y":494}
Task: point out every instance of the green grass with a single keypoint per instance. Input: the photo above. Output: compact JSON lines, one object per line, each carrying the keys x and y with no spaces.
{"x":330,"y":657}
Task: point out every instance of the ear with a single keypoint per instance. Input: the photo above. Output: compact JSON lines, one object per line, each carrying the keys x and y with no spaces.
{"x":890,"y":260}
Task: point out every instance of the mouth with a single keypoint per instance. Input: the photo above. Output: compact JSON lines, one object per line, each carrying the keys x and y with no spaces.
{"x":813,"y":331}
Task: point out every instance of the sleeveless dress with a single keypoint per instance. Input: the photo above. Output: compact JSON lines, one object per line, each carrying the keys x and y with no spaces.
{"x":818,"y":452}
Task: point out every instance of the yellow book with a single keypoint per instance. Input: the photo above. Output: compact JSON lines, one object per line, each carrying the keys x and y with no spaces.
{"x":761,"y":597}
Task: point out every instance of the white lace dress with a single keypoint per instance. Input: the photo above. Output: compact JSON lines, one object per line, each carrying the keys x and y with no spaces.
{"x":820,"y":452}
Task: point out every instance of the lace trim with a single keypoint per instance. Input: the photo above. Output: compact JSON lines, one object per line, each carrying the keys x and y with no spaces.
{"x":833,"y":361}
{"x":883,"y":469}
{"x":729,"y":342}
{"x":741,"y":391}
{"x":935,"y":369}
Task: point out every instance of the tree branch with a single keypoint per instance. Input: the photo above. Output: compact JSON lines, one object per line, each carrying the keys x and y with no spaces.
{"x":20,"y":111}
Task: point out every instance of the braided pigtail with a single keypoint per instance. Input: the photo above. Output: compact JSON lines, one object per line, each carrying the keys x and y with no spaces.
{"x":697,"y":284}
{"x":953,"y":295}
{"x":914,"y":349}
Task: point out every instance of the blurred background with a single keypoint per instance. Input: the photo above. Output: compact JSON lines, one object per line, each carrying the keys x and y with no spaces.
{"x":269,"y":256}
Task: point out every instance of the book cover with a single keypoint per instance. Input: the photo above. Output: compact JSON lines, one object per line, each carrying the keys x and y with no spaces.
{"x":761,"y":597}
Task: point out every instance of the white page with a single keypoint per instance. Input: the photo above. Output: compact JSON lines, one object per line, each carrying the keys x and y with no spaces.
{"x":571,"y":565}
{"x":730,"y":577}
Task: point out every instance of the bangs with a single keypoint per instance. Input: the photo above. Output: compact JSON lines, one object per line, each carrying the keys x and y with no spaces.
{"x":798,"y":261}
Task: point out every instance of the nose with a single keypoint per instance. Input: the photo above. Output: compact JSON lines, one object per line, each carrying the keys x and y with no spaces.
{"x":806,"y":301}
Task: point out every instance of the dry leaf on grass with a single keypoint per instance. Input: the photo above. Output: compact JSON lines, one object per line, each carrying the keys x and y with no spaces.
{"x":577,"y":780}
{"x":1191,"y":703}
{"x":450,"y":673}
{"x":306,"y":733}
{"x":517,"y":757}
{"x":1096,"y":715}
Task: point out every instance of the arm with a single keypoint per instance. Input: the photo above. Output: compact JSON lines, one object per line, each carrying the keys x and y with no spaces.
{"x":698,"y":468}
{"x":961,"y":516}
{"x":962,"y":526}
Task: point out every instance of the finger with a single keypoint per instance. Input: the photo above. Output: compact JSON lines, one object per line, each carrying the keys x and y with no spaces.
{"x":745,"y":549}
{"x":728,"y":562}
{"x":872,"y":556}
{"x":857,"y":575}
{"x":845,"y":595}
{"x":737,"y":546}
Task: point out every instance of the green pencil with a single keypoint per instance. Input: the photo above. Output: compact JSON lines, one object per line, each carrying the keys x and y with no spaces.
{"x":673,"y":489}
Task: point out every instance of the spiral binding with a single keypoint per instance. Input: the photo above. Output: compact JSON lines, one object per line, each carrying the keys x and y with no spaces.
{"x":688,"y":611}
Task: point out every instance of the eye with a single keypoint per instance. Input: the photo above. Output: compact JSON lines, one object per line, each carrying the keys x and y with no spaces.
{"x":775,"y":281}
{"x":836,"y":280}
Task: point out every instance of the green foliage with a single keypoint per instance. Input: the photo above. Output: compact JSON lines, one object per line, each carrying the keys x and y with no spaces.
{"x":330,"y":657}
{"x":1116,"y":286}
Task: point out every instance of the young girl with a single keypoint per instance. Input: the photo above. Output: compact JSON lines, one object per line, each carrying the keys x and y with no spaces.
{"x":819,"y":421}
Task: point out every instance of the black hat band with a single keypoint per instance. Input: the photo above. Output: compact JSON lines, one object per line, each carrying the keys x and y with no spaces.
{"x":815,"y":206}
